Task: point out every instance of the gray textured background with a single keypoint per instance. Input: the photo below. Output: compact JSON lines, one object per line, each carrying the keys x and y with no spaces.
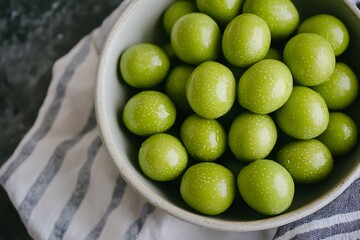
{"x":33,"y":34}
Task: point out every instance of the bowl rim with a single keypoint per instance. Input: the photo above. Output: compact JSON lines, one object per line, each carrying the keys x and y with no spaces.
{"x":182,"y":214}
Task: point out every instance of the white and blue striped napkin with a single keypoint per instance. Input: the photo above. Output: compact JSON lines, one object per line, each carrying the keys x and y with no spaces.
{"x":64,"y":185}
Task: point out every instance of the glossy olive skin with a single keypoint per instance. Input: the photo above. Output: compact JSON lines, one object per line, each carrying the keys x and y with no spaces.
{"x":208,"y":187}
{"x":273,"y":53}
{"x":266,"y":186}
{"x":308,"y":161}
{"x":341,"y":90}
{"x":204,"y":139}
{"x":144,"y":65}
{"x":310,"y":57}
{"x":176,"y":11}
{"x":149,"y":112}
{"x":330,"y":28}
{"x":162,"y":157}
{"x":265,"y":86}
{"x":238,"y":43}
{"x":281,"y":16}
{"x":305,"y":114}
{"x":252,"y":136}
{"x":222,"y":11}
{"x":175,"y":86}
{"x":211,"y":89}
{"x":188,"y":41}
{"x":341,"y":134}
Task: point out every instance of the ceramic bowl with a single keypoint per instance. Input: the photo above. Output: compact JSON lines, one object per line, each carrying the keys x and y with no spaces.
{"x":140,"y":23}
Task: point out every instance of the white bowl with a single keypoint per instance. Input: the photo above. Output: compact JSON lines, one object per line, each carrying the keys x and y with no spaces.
{"x":138,"y":23}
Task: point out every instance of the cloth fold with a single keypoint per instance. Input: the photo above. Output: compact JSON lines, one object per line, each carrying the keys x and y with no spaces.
{"x":64,"y":185}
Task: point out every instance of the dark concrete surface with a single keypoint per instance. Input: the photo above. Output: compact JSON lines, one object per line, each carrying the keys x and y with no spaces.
{"x":33,"y":34}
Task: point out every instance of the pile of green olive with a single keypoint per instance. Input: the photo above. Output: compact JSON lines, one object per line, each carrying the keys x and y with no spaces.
{"x":234,"y":79}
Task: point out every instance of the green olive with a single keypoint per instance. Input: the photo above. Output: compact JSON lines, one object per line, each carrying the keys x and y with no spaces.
{"x":246,"y":40}
{"x":308,"y":161}
{"x":176,"y":11}
{"x":281,"y":16}
{"x":144,"y":65}
{"x":149,"y":112}
{"x":204,"y":139}
{"x":266,"y":186}
{"x":310,"y":57}
{"x":330,"y":28}
{"x":195,"y":38}
{"x":211,"y":89}
{"x":176,"y":86}
{"x":274,"y":53}
{"x":208,"y":188}
{"x":252,"y":136}
{"x":342,"y":88}
{"x":341,"y":134}
{"x":265,"y":86}
{"x":305,"y":114}
{"x":222,"y":11}
{"x":162,"y":157}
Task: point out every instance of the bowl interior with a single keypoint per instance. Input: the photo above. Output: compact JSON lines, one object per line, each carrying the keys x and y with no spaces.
{"x":140,"y":23}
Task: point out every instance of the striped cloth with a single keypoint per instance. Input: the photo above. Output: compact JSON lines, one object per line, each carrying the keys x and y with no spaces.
{"x":340,"y":219}
{"x":64,"y":185}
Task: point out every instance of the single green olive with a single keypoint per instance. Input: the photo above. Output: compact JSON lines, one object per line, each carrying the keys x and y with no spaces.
{"x":204,"y":139}
{"x":176,"y":86}
{"x":330,"y":28}
{"x":162,"y":157}
{"x":222,"y":11}
{"x":246,"y":40}
{"x":211,"y":89}
{"x":176,"y":11}
{"x":195,"y":38}
{"x":265,"y":86}
{"x":308,"y":161}
{"x":274,"y":53}
{"x":144,"y":65}
{"x":310,"y":57}
{"x":252,"y":136}
{"x":342,"y":88}
{"x":305,"y":114}
{"x":341,"y":134}
{"x":209,"y":188}
{"x":266,"y":186}
{"x":149,"y":112}
{"x":281,"y":16}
